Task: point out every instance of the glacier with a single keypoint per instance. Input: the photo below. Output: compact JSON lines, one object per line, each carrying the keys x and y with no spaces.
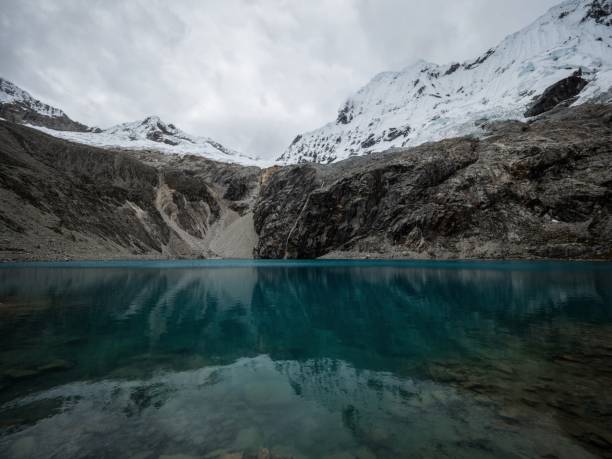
{"x":428,"y":102}
{"x":154,"y":134}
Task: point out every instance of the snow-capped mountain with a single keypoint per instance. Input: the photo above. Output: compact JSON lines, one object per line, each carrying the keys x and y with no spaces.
{"x":19,"y":106}
{"x":153,"y":134}
{"x":426,"y":102}
{"x":12,"y":94}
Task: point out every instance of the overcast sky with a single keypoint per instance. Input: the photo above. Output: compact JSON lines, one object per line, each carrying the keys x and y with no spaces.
{"x":249,"y":73}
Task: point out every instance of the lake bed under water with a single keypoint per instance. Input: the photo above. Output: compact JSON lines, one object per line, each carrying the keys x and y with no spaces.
{"x":306,"y":359}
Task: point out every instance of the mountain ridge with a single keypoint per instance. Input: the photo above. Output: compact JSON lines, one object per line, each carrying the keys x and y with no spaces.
{"x":18,"y":106}
{"x":150,"y":133}
{"x":524,"y":191}
{"x":62,"y":199}
{"x":428,"y":102}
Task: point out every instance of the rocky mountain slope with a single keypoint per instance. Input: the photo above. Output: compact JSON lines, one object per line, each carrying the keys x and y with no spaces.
{"x":533,"y":179}
{"x":541,"y":189}
{"x":19,"y":106}
{"x":525,"y":190}
{"x":64,"y":200}
{"x":571,"y":45}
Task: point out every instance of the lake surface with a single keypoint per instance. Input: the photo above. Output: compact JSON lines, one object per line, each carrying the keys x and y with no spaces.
{"x":306,"y":360}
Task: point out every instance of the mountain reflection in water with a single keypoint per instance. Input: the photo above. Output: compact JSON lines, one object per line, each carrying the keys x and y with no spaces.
{"x":359,"y":359}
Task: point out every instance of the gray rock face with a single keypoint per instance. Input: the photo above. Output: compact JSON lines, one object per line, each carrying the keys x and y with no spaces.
{"x":523,"y":191}
{"x":600,"y":11}
{"x":537,"y":190}
{"x":63,"y":200}
{"x":557,"y":93}
{"x":279,"y":208}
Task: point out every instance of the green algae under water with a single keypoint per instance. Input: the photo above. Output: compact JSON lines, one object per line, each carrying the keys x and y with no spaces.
{"x":306,"y":359}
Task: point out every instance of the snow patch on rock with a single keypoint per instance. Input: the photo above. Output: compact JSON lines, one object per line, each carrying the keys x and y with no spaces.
{"x":12,"y":94}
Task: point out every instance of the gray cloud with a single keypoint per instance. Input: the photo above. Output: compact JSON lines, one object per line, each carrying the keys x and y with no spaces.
{"x":249,"y":73}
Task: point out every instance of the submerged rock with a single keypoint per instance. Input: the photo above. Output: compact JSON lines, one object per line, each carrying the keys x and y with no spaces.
{"x":56,"y":365}
{"x":24,"y":448}
{"x":20,"y":373}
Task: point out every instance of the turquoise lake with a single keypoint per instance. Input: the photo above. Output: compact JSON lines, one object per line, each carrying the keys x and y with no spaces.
{"x":306,"y":360}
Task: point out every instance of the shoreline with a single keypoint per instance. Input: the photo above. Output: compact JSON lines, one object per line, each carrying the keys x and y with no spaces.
{"x":277,"y":261}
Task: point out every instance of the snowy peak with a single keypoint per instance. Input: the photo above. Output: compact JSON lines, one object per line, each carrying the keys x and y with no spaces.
{"x":12,"y":94}
{"x":600,"y":11}
{"x":152,"y":133}
{"x":19,"y":106}
{"x":575,"y":12}
{"x":151,"y":128}
{"x":427,"y":102}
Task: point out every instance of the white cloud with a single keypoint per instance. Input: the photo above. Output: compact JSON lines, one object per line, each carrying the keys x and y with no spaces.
{"x":250,"y":73}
